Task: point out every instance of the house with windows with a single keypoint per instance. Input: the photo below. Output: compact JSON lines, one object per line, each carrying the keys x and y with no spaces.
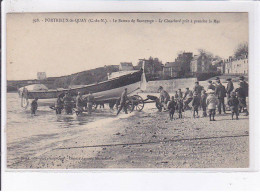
{"x":200,"y":64}
{"x":236,"y":66}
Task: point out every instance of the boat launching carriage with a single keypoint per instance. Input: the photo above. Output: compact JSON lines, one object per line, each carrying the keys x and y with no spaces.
{"x":104,"y":92}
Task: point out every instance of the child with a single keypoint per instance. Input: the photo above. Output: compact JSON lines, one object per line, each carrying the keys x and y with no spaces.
{"x":233,"y":104}
{"x":212,"y":102}
{"x":34,"y":106}
{"x":171,"y":107}
{"x":195,"y":104}
{"x":179,"y":107}
{"x":203,"y":103}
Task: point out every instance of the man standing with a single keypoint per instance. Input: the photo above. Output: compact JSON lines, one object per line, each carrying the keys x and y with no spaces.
{"x":198,"y":88}
{"x":220,"y":92}
{"x":68,"y":103}
{"x":241,"y":94}
{"x":34,"y":106}
{"x":91,"y":100}
{"x":230,"y":87}
{"x":164,"y":97}
{"x":123,"y":100}
{"x":188,"y":96}
{"x":59,"y":105}
{"x":79,"y":103}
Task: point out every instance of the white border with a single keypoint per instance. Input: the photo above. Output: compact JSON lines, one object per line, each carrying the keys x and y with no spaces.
{"x":139,"y":179}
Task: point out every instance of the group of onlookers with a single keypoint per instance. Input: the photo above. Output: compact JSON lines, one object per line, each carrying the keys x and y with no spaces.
{"x":211,"y":99}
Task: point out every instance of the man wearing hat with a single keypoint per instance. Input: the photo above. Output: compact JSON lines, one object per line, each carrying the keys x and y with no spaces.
{"x":187,"y":98}
{"x":221,"y":94}
{"x":211,"y":86}
{"x":230,"y":87}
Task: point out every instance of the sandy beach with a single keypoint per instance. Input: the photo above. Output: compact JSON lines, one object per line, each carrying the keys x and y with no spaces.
{"x":146,"y":139}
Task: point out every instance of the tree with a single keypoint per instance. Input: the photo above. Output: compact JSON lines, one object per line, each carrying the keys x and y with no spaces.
{"x":209,"y":55}
{"x":241,"y":49}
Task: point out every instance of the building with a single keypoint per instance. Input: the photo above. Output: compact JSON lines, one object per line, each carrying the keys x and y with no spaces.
{"x":237,"y":66}
{"x":171,"y":70}
{"x":184,"y":60}
{"x":200,"y":64}
{"x":41,"y":75}
{"x":180,"y":67}
{"x":126,"y":66}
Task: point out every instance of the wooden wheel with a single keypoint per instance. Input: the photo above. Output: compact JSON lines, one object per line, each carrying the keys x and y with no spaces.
{"x":130,"y":105}
{"x":138,"y":102}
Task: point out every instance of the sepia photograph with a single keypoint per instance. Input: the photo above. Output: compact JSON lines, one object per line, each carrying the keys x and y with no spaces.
{"x":127,"y":90}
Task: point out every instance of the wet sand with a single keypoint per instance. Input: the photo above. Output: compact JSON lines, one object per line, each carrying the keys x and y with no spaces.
{"x":145,"y":139}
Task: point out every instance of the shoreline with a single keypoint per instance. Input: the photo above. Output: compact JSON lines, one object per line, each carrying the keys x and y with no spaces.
{"x":147,"y":139}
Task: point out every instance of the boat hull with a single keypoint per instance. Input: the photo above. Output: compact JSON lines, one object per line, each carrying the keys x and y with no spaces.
{"x":104,"y":96}
{"x":103,"y":91}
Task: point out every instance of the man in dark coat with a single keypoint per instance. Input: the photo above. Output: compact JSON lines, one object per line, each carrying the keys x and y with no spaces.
{"x":123,"y":102}
{"x":198,"y":88}
{"x":241,"y":95}
{"x":34,"y":106}
{"x":230,"y":87}
{"x":220,"y":92}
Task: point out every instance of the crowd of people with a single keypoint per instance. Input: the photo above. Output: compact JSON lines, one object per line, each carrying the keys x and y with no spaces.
{"x":67,"y":103}
{"x":208,"y":99}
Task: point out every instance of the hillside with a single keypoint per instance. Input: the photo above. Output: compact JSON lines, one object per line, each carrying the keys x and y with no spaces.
{"x":84,"y":77}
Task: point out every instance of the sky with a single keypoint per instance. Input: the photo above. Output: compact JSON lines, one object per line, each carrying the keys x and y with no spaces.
{"x":37,"y":44}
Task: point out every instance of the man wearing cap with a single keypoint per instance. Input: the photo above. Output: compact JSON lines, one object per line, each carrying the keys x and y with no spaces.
{"x":164,"y":97}
{"x":187,"y":98}
{"x":211,"y":86}
{"x":220,"y":92}
{"x":230,"y":87}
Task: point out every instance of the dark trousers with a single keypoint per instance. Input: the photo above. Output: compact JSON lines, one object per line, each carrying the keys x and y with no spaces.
{"x":187,"y":102}
{"x":123,"y":105}
{"x":33,"y":111}
{"x":234,"y":111}
{"x":58,"y":110}
{"x":221,"y":103}
{"x":68,"y":109}
{"x":171,"y":113}
{"x":204,"y":108}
